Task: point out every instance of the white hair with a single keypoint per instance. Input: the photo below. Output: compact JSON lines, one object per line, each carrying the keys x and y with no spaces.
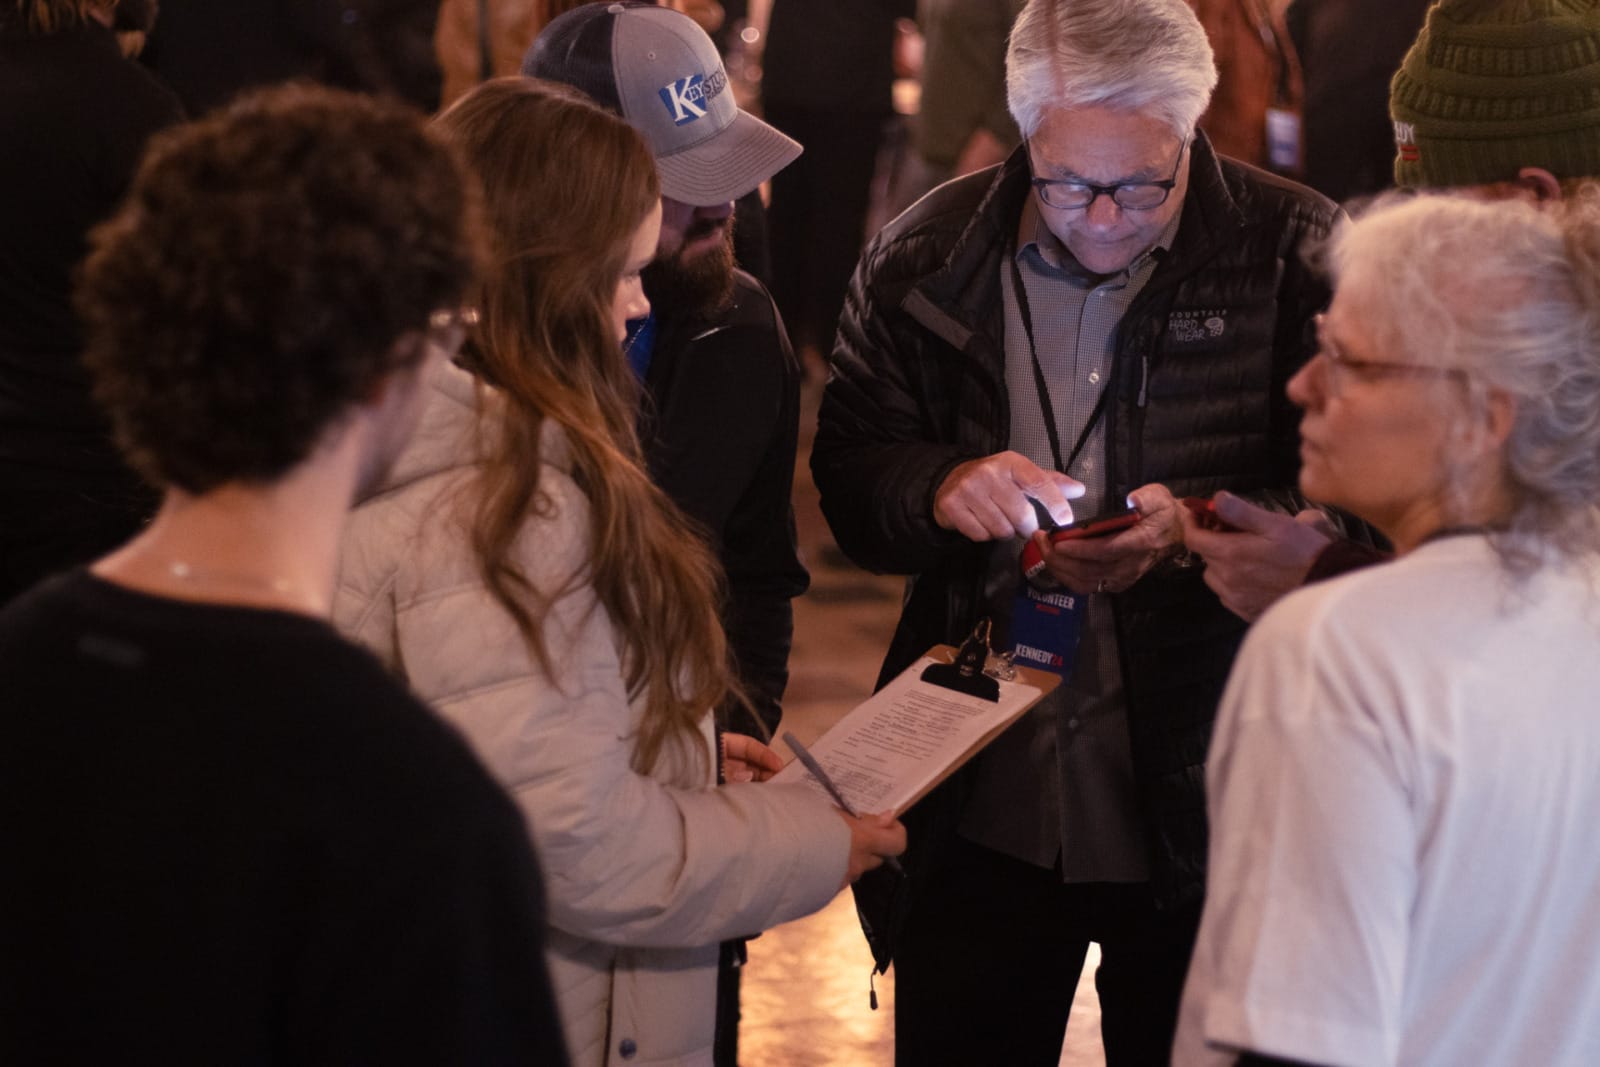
{"x":1147,"y":56}
{"x":1510,"y":295}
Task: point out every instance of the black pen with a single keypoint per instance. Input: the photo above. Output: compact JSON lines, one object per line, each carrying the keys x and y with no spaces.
{"x":809,"y":762}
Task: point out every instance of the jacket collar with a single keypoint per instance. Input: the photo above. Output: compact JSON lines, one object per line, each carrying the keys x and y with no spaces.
{"x":956,"y":298}
{"x":1212,"y":214}
{"x":446,"y":437}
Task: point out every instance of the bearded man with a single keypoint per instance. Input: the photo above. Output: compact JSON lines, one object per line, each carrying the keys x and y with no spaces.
{"x":722,"y":404}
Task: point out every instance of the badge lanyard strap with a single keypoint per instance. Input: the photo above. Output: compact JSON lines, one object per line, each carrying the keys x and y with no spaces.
{"x":1043,"y":389}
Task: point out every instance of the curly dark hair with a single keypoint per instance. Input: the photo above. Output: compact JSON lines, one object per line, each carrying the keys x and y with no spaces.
{"x":256,"y":280}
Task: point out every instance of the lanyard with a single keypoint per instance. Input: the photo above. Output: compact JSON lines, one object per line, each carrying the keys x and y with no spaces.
{"x":1020,"y":291}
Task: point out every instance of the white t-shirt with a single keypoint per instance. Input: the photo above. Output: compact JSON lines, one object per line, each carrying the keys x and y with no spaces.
{"x":1404,"y":788}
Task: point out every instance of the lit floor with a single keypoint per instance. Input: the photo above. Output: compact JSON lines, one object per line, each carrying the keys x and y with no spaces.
{"x":805,"y":989}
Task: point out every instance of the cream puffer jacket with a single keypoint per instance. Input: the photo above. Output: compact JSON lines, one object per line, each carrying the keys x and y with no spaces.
{"x":644,"y":876}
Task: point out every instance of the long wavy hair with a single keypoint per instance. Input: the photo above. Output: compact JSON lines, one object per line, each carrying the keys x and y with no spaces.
{"x":567,"y":185}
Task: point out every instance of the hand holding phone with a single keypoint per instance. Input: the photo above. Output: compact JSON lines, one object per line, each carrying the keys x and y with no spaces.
{"x":1103,"y":525}
{"x":1254,"y":556}
{"x":1109,"y":553}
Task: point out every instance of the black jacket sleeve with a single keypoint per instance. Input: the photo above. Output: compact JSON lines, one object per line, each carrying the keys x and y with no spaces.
{"x":879,"y":458}
{"x":720,"y":436}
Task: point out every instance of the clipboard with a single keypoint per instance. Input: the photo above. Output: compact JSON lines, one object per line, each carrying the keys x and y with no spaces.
{"x":896,"y":746}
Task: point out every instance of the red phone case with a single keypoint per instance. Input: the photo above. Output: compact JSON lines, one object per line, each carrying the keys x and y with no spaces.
{"x":1204,"y":510}
{"x":1099,"y":526}
{"x":1096,"y":527}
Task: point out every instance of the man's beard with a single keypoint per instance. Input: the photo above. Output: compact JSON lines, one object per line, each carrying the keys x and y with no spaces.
{"x":702,"y":285}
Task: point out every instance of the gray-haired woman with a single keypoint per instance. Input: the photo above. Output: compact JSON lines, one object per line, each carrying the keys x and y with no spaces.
{"x":1405,"y":774}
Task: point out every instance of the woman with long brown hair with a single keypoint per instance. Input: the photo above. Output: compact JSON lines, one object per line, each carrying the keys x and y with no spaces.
{"x":521,"y":570}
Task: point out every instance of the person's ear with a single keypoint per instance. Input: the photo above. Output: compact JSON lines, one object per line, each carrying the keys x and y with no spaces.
{"x":1486,"y":424}
{"x":1541,"y":183}
{"x":1500,"y":415}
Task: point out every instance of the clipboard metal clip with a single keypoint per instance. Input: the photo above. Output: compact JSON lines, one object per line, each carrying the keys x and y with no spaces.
{"x":997,"y":665}
{"x":1001,"y":667}
{"x":969,"y":673}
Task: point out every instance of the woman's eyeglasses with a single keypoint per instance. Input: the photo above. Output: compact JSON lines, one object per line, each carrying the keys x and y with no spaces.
{"x":1342,"y":370}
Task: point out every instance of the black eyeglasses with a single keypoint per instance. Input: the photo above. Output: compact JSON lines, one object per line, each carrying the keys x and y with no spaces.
{"x":1130,"y":196}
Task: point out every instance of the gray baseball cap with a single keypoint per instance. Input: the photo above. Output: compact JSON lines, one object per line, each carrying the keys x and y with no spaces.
{"x":658,"y":69}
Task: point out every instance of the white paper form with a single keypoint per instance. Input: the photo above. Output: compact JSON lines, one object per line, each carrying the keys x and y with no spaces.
{"x":886,"y":752}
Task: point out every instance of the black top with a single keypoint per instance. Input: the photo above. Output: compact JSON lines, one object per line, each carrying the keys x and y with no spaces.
{"x":720,"y":431}
{"x":832,"y":54}
{"x":209,"y":51}
{"x":1349,"y":52}
{"x":74,"y":119}
{"x":230,"y":837}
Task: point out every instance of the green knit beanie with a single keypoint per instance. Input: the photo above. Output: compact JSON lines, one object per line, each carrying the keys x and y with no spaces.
{"x":1492,"y":86}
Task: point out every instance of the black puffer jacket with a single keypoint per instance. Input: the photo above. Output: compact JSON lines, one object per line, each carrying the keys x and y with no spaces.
{"x":1197,"y":403}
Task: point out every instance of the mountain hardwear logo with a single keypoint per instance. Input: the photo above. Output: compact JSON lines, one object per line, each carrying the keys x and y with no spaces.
{"x":687,"y":98}
{"x":1197,"y":325}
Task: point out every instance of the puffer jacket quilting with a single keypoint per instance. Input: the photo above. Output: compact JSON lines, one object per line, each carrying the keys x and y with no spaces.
{"x":645,"y":874}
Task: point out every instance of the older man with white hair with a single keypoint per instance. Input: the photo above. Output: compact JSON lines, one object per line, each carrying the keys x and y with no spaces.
{"x":1109,"y":317}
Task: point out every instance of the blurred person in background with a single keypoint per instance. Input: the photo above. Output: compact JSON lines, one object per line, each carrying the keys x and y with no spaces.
{"x":74,"y":118}
{"x":828,"y":72}
{"x":481,"y":39}
{"x":1349,"y":51}
{"x":520,"y":569}
{"x":1254,"y":115}
{"x":962,"y":124}
{"x":208,"y":51}
{"x":1402,"y":785}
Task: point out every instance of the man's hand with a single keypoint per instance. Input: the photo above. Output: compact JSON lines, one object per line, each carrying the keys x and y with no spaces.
{"x":987,"y":499}
{"x":872,"y":837}
{"x":1266,"y":555}
{"x":1112,"y":564}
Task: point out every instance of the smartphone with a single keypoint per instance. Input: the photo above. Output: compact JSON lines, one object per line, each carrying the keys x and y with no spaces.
{"x":1099,"y":526}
